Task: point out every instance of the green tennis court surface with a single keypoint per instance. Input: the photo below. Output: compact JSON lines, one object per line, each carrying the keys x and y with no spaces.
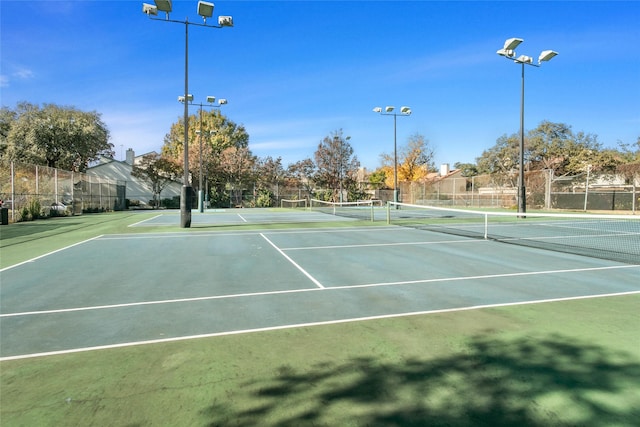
{"x":141,"y":288}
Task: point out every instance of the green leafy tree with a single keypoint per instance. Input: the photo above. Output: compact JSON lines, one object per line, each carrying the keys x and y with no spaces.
{"x":216,"y":133}
{"x":158,"y":172}
{"x":551,"y":146}
{"x":268,"y":177}
{"x":377,"y":179}
{"x":61,"y":137}
{"x":468,"y":169}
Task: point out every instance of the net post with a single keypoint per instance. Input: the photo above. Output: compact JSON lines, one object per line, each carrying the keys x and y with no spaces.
{"x":388,"y":212}
{"x":373,"y":218}
{"x":486,"y":226}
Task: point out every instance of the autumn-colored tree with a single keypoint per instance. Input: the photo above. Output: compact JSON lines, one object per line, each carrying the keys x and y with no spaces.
{"x":336,"y":165}
{"x":415,"y":159}
{"x":236,"y":165}
{"x":301,"y":174}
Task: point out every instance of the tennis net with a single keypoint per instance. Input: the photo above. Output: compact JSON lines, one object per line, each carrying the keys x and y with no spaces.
{"x":363,"y":209}
{"x":611,"y":237}
{"x":297,"y":203}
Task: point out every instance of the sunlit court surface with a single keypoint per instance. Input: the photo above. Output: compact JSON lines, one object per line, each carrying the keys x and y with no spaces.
{"x":133,"y":289}
{"x":310,"y":317}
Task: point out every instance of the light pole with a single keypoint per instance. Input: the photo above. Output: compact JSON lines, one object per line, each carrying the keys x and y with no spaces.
{"x":205,"y":9}
{"x":388,"y":111}
{"x":210,"y":100}
{"x":508,"y":51}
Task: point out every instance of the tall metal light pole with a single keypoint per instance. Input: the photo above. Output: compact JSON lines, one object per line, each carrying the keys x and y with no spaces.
{"x":388,"y":111}
{"x":210,"y":101}
{"x":508,"y":51}
{"x":205,"y":9}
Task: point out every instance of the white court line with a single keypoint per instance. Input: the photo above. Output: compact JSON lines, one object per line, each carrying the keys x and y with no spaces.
{"x":310,"y":324}
{"x":319,"y":288}
{"x":144,"y":220}
{"x":373,"y":245}
{"x":318,"y":284}
{"x":242,"y":218}
{"x":49,"y":253}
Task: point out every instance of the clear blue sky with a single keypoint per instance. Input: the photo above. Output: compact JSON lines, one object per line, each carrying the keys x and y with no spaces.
{"x":294,"y":71}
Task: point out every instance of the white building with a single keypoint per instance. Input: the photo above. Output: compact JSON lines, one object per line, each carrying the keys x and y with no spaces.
{"x":135,"y":188}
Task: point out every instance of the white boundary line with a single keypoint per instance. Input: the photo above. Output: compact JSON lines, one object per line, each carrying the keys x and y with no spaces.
{"x":319,"y":288}
{"x":318,"y":284}
{"x":143,"y":221}
{"x":311,"y":324}
{"x":49,"y":253}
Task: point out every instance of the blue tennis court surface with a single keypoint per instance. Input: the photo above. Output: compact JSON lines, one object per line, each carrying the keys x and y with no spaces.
{"x":243,"y":216}
{"x":132,"y":289}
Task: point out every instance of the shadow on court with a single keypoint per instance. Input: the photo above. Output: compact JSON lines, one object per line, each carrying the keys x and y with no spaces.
{"x":494,"y":382}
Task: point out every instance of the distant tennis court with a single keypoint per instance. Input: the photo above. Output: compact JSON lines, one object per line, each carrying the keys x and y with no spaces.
{"x":140,"y":288}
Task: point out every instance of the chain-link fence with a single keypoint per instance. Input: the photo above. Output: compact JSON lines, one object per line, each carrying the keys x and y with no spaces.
{"x":31,"y":191}
{"x":544,"y":191}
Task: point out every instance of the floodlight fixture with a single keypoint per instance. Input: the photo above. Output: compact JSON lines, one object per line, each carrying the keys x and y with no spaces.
{"x":506,"y":53}
{"x":163,"y":5}
{"x":389,"y":109}
{"x":512,"y":44}
{"x":225,"y":21}
{"x":377,"y":110}
{"x":546,"y":55}
{"x":149,"y":9}
{"x":222,"y":101}
{"x":211,"y":99}
{"x":205,"y":9}
{"x":405,"y":110}
{"x":524,"y":59}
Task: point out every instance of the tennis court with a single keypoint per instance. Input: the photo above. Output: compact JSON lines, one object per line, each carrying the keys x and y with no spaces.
{"x":141,"y":288}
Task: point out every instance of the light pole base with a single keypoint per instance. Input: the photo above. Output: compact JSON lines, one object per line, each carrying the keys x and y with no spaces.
{"x":200,"y":201}
{"x":185,"y":207}
{"x":522,"y":201}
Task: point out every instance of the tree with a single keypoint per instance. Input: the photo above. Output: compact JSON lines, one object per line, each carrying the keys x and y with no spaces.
{"x":236,"y":165}
{"x":468,"y":169}
{"x":377,"y":179}
{"x":631,"y":168}
{"x":268,"y":173}
{"x":550,"y":146}
{"x":414,"y":160}
{"x":7,"y":117}
{"x":301,"y":174}
{"x":337,"y":166}
{"x":218,"y":134}
{"x":61,"y":137}
{"x":158,"y":172}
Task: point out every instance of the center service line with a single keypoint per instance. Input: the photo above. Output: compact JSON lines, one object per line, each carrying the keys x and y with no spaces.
{"x":318,"y":284}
